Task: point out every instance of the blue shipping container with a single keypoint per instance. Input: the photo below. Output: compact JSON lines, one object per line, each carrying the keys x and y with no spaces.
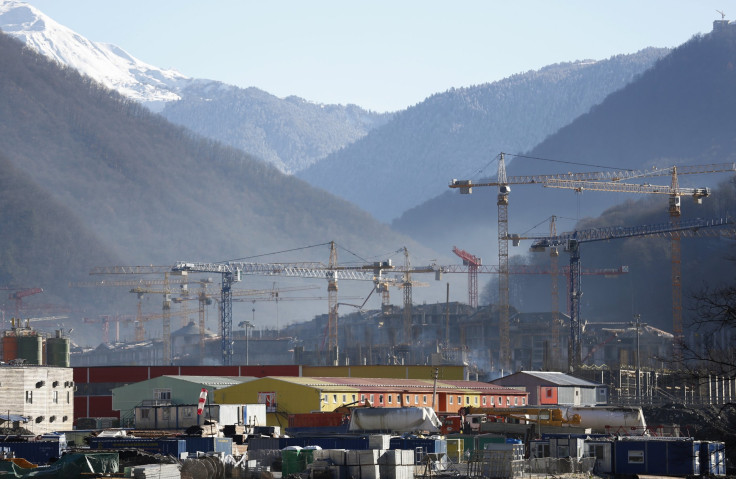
{"x":209,"y":444}
{"x":712,"y":458}
{"x":37,"y":452}
{"x":169,"y":447}
{"x":669,"y":457}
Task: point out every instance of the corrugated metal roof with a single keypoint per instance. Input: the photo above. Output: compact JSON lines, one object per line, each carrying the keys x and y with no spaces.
{"x":385,"y":384}
{"x":559,"y":379}
{"x":214,"y":381}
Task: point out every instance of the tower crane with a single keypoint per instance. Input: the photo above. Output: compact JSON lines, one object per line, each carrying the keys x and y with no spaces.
{"x":503,"y":183}
{"x":232,"y":271}
{"x":674,"y":192}
{"x":20,"y":294}
{"x":572,"y":241}
{"x":472,"y":262}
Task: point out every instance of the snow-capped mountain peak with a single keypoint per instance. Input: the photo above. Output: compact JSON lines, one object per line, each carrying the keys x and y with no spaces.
{"x":106,"y":63}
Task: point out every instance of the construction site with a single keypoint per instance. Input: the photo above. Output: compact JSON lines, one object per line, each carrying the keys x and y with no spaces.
{"x":491,"y":340}
{"x":612,"y":367}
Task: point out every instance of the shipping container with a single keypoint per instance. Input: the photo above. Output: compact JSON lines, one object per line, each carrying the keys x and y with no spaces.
{"x":657,"y":456}
{"x":712,"y":458}
{"x":208,"y":444}
{"x":317,"y":419}
{"x":168,"y":447}
{"x":37,"y":452}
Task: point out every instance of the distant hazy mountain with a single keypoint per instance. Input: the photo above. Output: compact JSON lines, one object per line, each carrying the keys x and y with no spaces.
{"x":290,"y":133}
{"x":456,"y":133}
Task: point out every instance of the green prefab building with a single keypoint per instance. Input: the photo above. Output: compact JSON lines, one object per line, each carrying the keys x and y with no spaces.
{"x":162,"y":395}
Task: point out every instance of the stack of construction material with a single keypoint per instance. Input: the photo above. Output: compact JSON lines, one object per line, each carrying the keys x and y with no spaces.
{"x":157,"y":471}
{"x":362,"y":464}
{"x":397,"y":464}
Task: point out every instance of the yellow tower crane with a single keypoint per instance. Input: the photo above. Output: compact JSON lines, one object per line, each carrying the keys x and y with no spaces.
{"x":503,"y":183}
{"x":674,"y":192}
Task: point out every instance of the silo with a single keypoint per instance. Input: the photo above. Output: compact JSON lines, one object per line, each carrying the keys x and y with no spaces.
{"x":30,"y":348}
{"x":57,"y":351}
{"x":10,"y":347}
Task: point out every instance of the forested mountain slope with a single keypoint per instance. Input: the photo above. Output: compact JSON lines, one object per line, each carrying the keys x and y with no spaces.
{"x":144,"y":191}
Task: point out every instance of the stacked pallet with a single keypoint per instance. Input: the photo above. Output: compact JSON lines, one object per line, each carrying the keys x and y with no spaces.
{"x":157,"y":471}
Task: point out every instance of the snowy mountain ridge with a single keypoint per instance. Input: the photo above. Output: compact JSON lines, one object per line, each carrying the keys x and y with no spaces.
{"x":106,"y":63}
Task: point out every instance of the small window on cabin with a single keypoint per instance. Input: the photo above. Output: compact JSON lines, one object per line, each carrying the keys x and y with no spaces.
{"x":484,"y":400}
{"x":459,"y":400}
{"x":508,"y":401}
{"x":325,"y":399}
{"x":475,"y":400}
{"x":408,"y":399}
{"x":372,"y":399}
{"x":450,"y":399}
{"x":516,"y":401}
{"x":549,"y":393}
{"x":500,"y":401}
{"x":380,"y":399}
{"x":362,"y":398}
{"x":425,"y":399}
{"x":145,"y":413}
{"x":416,"y":399}
{"x":390,"y":400}
{"x":344,"y":398}
{"x":523,"y":401}
{"x":354,"y":398}
{"x":467,"y":400}
{"x":334,"y":398}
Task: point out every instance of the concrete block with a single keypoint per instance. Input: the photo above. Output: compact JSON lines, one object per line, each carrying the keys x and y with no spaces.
{"x":391,"y":457}
{"x":368,"y":457}
{"x":379,"y":441}
{"x":353,"y":472}
{"x":321,"y":454}
{"x":339,"y":472}
{"x":370,"y":472}
{"x":337,"y":456}
{"x":408,"y":457}
{"x":389,"y":471}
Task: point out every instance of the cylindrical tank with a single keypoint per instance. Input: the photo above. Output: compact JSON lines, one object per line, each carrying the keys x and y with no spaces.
{"x":30,"y":348}
{"x":609,"y":419}
{"x":10,"y":348}
{"x":57,"y":352}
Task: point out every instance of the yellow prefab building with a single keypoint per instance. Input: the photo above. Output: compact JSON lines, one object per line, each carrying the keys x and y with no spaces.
{"x":284,"y":395}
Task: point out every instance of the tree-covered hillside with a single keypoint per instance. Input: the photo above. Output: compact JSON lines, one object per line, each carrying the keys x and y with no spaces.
{"x":143,"y":191}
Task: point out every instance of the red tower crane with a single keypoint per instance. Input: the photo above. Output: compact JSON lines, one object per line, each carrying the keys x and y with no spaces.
{"x":472,"y":262}
{"x":19,"y":295}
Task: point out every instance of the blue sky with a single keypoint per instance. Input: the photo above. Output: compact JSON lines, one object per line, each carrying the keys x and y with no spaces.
{"x":381,"y":55}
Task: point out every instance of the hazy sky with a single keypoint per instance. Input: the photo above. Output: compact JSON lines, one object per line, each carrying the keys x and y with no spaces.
{"x":381,"y":55}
